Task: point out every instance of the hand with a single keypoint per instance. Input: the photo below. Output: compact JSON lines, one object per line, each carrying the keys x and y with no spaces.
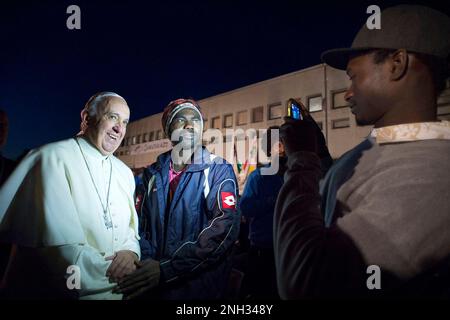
{"x":299,"y":135}
{"x":143,"y":279}
{"x":123,"y":263}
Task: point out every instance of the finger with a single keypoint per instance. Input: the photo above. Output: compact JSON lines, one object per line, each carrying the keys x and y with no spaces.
{"x":138,"y":275}
{"x":136,"y":294}
{"x":109,"y":258}
{"x":132,"y":288}
{"x":115,"y":264}
{"x":129,"y":269}
{"x":122,"y":268}
{"x":138,"y":263}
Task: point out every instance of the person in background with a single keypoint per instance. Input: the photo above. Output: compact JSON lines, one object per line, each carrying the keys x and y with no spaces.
{"x":257,"y":206}
{"x":6,"y":165}
{"x":6,"y":168}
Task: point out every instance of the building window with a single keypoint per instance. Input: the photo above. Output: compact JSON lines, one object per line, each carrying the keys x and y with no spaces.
{"x":445,"y":116}
{"x":315,"y":103}
{"x":241,"y":118}
{"x":443,"y":112}
{"x":338,"y":99}
{"x":138,"y":139}
{"x":228,"y":121}
{"x":320,"y":124}
{"x":257,"y":114}
{"x":151,"y":136}
{"x":215,"y":122}
{"x":159,"y":135}
{"x":341,"y":123}
{"x":144,"y":137}
{"x":275,"y":111}
{"x":133,"y":140}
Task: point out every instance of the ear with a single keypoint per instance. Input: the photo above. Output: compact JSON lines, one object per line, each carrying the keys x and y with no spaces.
{"x":85,"y":121}
{"x":399,"y":64}
{"x":84,"y":116}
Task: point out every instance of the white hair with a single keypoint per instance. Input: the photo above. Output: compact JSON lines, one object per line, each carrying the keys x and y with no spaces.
{"x":97,"y":99}
{"x":91,"y":107}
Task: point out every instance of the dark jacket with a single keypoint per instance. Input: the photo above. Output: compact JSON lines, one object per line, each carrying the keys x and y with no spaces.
{"x":191,"y":236}
{"x":258,"y":204}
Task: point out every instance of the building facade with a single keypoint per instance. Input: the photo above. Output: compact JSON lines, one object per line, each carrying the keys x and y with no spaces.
{"x":258,"y":106}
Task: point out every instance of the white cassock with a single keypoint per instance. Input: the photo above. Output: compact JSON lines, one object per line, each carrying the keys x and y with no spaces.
{"x":51,"y":210}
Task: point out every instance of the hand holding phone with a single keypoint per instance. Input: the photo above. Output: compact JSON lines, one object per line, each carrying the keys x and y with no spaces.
{"x":296,"y":110}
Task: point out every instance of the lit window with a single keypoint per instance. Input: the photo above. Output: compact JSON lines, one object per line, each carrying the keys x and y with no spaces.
{"x":315,"y":103}
{"x":145,"y":137}
{"x":341,"y":123}
{"x":257,"y":114}
{"x":275,"y":111}
{"x":215,"y":123}
{"x":133,"y":140}
{"x":228,"y":121}
{"x":338,"y":99}
{"x":320,"y":124}
{"x":443,"y":112}
{"x":241,"y":118}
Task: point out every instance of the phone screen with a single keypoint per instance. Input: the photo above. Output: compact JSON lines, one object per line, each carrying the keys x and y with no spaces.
{"x":294,"y":111}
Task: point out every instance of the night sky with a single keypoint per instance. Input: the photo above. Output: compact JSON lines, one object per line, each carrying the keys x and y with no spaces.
{"x":151,"y":53}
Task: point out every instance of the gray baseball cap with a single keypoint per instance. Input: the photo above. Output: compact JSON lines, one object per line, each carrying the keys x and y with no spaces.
{"x":417,"y":29}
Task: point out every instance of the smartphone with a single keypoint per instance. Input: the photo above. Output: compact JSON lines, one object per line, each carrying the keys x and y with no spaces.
{"x":296,"y":110}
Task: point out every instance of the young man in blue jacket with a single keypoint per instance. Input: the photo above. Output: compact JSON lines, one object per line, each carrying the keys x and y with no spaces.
{"x":188,"y":216}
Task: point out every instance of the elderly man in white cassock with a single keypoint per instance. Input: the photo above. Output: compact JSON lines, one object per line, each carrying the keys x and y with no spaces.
{"x":68,"y":210}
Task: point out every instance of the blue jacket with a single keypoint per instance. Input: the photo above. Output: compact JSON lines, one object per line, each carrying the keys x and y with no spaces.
{"x":257,"y":204}
{"x":193,"y":235}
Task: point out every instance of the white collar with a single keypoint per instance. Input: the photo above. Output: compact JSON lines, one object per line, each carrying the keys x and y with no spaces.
{"x":412,"y":132}
{"x":90,"y":150}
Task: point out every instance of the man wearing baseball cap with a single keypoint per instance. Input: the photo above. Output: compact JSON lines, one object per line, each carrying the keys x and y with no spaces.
{"x":189,"y":220}
{"x":384,"y":220}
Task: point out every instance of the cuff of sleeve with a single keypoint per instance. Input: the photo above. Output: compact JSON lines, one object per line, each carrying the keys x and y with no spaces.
{"x":133,"y":248}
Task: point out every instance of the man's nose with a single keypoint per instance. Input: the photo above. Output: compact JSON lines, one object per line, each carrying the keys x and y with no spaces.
{"x":189,"y":124}
{"x":118,"y":127}
{"x":348,"y":95}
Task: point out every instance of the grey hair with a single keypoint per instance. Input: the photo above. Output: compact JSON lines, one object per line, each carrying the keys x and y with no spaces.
{"x":97,"y":99}
{"x":91,"y":107}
